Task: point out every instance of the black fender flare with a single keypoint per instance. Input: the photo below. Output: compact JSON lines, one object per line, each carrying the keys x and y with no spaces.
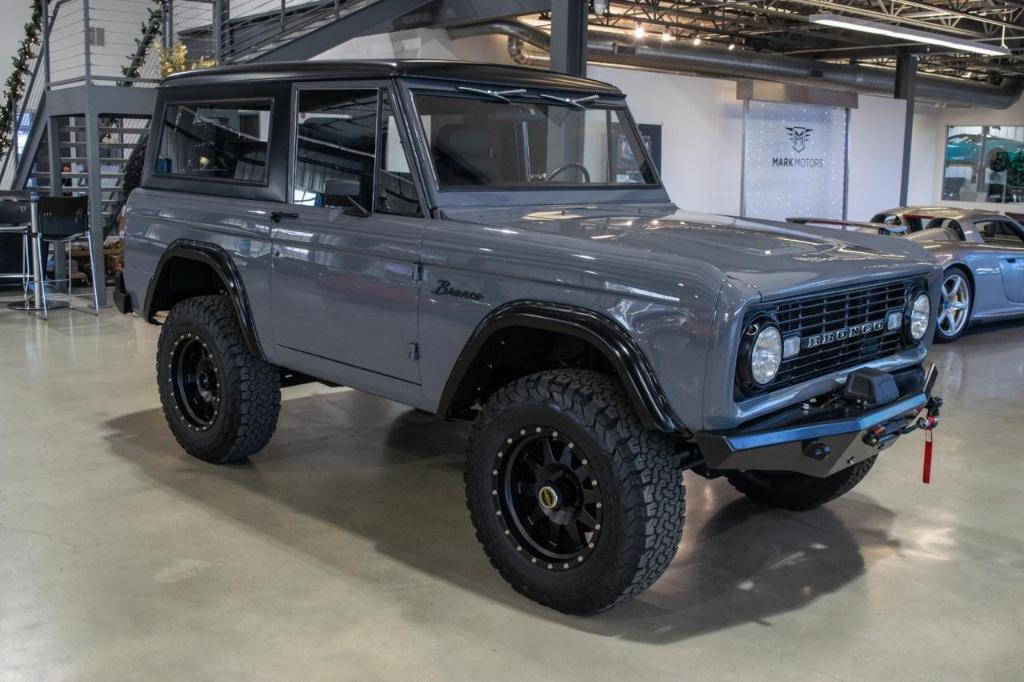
{"x":614,"y":342}
{"x":221,"y":263}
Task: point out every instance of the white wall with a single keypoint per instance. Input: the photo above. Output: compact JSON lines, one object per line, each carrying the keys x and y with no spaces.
{"x":702,"y":133}
{"x":16,"y":14}
{"x":875,"y":156}
{"x":926,"y":153}
{"x":702,"y":126}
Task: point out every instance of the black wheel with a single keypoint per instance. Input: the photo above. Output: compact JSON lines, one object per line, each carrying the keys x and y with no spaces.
{"x":220,"y":401}
{"x":574,"y":503}
{"x":798,"y":492}
{"x":955,"y":305}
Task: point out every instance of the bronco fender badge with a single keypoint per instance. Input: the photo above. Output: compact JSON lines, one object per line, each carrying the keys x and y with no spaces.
{"x":445,"y":288}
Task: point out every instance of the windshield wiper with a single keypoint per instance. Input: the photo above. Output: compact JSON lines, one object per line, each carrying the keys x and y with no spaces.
{"x":503,"y":95}
{"x":578,"y":102}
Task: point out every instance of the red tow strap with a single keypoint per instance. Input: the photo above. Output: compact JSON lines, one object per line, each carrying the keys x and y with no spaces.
{"x":926,"y":477}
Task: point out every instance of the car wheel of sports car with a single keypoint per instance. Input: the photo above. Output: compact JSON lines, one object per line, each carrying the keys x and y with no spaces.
{"x":576,"y":505}
{"x":955,"y":306}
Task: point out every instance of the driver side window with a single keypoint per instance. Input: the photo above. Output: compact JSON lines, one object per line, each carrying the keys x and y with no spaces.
{"x":999,"y":233}
{"x":335,"y":149}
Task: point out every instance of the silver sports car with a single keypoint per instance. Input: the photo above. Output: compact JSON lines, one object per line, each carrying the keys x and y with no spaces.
{"x":982,"y":253}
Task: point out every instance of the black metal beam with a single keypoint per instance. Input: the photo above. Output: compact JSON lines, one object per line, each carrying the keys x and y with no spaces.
{"x":906,"y":90}
{"x":569,"y":36}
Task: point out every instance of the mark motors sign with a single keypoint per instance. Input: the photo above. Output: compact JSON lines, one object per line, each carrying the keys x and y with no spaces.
{"x":794,"y":160}
{"x":800,"y":137}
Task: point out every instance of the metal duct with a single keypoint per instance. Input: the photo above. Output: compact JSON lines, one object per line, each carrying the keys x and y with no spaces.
{"x":610,"y":48}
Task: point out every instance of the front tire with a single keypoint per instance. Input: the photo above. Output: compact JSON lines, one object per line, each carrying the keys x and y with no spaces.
{"x":957,"y":303}
{"x":574,"y":503}
{"x":220,"y":401}
{"x":798,"y":492}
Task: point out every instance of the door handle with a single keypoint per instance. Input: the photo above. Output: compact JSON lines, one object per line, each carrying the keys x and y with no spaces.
{"x":278,"y":216}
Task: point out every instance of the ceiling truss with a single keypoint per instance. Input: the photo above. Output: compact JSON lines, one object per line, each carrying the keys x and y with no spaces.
{"x":782,"y":27}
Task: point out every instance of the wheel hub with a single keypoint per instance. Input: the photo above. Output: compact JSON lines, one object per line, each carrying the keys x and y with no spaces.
{"x":547,"y":498}
{"x":194,"y":379}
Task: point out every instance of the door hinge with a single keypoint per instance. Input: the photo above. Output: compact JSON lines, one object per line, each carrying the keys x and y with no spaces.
{"x":414,"y":351}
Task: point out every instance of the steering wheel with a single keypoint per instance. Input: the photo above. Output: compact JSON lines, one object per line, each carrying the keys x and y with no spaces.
{"x":564,"y":167}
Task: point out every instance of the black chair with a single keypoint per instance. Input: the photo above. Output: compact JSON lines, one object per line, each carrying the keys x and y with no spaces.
{"x":63,"y":220}
{"x":15,"y":226}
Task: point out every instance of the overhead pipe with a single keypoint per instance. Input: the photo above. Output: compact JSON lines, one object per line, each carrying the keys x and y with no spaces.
{"x":610,"y":48}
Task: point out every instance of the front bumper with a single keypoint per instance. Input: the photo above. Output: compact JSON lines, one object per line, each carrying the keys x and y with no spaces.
{"x":823,"y":438}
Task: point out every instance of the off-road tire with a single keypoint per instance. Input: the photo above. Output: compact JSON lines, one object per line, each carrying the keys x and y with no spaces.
{"x":636,"y":472}
{"x":249,"y":387}
{"x":798,"y":492}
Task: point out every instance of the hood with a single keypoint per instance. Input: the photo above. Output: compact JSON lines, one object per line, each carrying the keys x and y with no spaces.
{"x":775,"y":258}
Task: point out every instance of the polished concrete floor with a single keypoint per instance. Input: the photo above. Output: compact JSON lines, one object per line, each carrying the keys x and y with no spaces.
{"x":344,"y":550}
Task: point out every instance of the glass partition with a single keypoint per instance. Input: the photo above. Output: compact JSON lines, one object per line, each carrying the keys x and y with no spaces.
{"x":984,"y":163}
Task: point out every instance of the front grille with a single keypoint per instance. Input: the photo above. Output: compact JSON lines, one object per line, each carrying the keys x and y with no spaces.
{"x":815,"y":314}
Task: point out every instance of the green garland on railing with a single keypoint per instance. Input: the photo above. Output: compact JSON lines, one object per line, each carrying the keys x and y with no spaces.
{"x":14,"y":87}
{"x":151,"y":28}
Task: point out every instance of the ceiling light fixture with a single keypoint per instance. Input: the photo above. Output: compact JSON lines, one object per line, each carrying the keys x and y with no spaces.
{"x":666,"y":37}
{"x":639,"y":31}
{"x":902,"y":33}
{"x":732,"y":46}
{"x":696,"y":41}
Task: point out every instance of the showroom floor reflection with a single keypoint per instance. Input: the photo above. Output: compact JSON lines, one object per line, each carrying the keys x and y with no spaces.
{"x":349,"y":534}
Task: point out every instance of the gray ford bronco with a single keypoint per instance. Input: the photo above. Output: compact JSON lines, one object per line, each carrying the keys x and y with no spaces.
{"x":494,"y":244}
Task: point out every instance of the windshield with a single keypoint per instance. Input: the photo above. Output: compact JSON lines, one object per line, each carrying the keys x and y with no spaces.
{"x":496,"y":141}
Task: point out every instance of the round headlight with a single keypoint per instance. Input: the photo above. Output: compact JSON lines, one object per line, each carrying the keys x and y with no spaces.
{"x":920,"y":316}
{"x":766,"y":355}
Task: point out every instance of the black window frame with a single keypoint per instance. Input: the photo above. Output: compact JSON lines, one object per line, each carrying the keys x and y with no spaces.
{"x":405,"y":136}
{"x":212,"y":103}
{"x":603,"y":103}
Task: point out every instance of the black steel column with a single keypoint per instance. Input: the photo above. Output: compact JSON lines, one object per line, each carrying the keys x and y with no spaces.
{"x":569,"y":36}
{"x":906,"y":87}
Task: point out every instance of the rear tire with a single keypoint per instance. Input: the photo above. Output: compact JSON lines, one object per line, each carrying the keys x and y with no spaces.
{"x":574,"y":503}
{"x":220,"y":401}
{"x":798,"y":492}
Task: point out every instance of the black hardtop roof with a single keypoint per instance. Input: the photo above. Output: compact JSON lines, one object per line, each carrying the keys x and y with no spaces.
{"x":456,"y":71}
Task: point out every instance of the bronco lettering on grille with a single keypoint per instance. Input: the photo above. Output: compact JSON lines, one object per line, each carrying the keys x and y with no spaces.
{"x":842,"y":334}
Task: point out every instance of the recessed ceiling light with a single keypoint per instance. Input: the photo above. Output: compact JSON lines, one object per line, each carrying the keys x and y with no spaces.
{"x":902,"y":33}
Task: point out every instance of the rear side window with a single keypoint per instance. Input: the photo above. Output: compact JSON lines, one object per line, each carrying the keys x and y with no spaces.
{"x":999,"y":233}
{"x":945,"y":229}
{"x":216,"y":141}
